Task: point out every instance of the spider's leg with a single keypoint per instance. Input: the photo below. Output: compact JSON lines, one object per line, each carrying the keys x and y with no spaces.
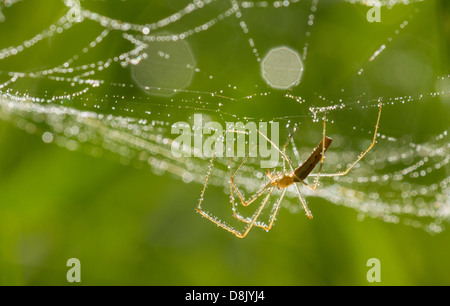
{"x":219,"y":223}
{"x":289,"y":139}
{"x":283,"y":154}
{"x":362,"y":154}
{"x":206,"y":181}
{"x":255,"y":216}
{"x":284,"y":149}
{"x":303,"y":202}
{"x":240,"y":217}
{"x":274,"y":212}
{"x":238,"y":192}
{"x":237,"y":215}
{"x":206,"y":214}
{"x":295,"y":150}
{"x":243,"y":201}
{"x":253,"y":198}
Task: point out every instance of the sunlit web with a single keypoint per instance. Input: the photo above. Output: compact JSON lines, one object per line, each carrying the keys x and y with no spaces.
{"x":121,"y":84}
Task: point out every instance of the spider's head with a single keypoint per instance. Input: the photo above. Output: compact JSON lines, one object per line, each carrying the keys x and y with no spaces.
{"x":269,"y":175}
{"x":273,"y":176}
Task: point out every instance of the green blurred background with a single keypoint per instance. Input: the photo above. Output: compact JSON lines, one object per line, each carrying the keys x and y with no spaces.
{"x":128,"y":226}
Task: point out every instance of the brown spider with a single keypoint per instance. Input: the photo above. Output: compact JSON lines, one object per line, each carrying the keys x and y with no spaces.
{"x":282,"y":180}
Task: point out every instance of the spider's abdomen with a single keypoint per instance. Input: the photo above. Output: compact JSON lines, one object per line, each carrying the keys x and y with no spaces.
{"x":308,"y":166}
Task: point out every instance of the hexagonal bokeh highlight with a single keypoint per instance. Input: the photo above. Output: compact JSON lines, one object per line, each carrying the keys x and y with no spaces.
{"x":167,"y":67}
{"x":282,"y":68}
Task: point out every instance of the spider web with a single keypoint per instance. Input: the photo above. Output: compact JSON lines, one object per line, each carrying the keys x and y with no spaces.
{"x":114,"y":85}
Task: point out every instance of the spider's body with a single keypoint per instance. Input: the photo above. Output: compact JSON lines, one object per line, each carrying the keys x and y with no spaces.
{"x":282,"y":180}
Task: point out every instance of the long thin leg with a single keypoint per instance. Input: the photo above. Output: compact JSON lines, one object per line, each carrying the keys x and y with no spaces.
{"x":278,"y":149}
{"x":243,"y":201}
{"x":255,"y":215}
{"x":272,"y":217}
{"x":250,"y":223}
{"x":294,"y":149}
{"x":256,"y":195}
{"x":303,"y":202}
{"x":202,"y":196}
{"x":232,"y":184}
{"x":274,"y":212}
{"x":342,"y":173}
{"x":220,"y":223}
{"x":284,"y":149}
{"x":289,"y":139}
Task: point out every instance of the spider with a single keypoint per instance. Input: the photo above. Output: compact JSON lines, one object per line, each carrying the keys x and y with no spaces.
{"x":280,"y":181}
